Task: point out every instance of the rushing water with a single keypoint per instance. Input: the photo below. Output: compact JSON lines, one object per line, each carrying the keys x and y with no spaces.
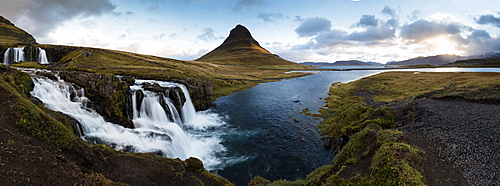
{"x":157,"y":129}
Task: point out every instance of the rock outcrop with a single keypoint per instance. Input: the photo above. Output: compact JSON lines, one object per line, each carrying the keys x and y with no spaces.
{"x":107,"y":92}
{"x":201,"y":93}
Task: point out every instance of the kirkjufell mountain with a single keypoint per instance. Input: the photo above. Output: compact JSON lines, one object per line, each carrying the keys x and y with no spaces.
{"x":240,"y":48}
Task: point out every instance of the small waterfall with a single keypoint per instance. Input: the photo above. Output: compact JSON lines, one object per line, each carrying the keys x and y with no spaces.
{"x":188,"y":111}
{"x":6,"y":57}
{"x":158,"y":129}
{"x":18,"y":54}
{"x":42,"y":57}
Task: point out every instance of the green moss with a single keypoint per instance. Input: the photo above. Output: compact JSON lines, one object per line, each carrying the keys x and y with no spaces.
{"x":41,"y":125}
{"x":262,"y":181}
{"x":397,"y":164}
{"x":359,"y":146}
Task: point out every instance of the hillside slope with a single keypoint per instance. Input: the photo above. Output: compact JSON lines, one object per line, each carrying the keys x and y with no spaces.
{"x":240,"y":48}
{"x":10,"y":34}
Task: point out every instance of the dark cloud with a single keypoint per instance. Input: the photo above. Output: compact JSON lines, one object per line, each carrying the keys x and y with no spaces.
{"x":242,"y":4}
{"x":208,"y":34}
{"x":367,"y":20}
{"x":313,"y":26}
{"x":271,"y":17}
{"x":480,"y":34}
{"x":423,"y":29}
{"x":488,"y":19}
{"x":42,"y":16}
{"x":389,"y":11}
{"x":333,"y":37}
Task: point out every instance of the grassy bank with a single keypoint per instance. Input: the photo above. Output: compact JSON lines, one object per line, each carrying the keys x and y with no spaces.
{"x":362,"y":111}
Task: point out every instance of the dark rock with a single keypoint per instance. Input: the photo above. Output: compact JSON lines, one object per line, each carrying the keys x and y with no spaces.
{"x":107,"y":93}
{"x":48,"y":75}
{"x":177,"y":97}
{"x":201,"y":93}
{"x":139,"y":96}
{"x":155,"y":87}
{"x":129,"y":79}
{"x":194,"y":164}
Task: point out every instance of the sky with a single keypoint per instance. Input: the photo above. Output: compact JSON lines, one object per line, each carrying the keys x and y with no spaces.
{"x":297,"y":30}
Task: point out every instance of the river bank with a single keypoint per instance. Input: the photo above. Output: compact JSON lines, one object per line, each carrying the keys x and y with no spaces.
{"x":411,"y":128}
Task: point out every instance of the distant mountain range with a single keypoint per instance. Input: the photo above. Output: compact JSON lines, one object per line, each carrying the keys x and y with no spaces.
{"x":429,"y":60}
{"x":342,"y":63}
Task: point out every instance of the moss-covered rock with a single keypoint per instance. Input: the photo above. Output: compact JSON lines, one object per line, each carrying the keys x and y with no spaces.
{"x":107,"y":92}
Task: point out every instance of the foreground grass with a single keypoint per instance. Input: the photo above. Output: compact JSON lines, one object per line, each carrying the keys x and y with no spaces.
{"x":375,"y":153}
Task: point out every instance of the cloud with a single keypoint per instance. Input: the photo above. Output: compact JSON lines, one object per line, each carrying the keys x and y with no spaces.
{"x":159,"y":37}
{"x":488,"y":19}
{"x":367,"y":20}
{"x":313,"y":26}
{"x":271,"y":17}
{"x":242,"y":4}
{"x":480,"y":34}
{"x":423,"y":29}
{"x":40,"y":17}
{"x":208,"y":34}
{"x":172,"y":36}
{"x":414,"y":15}
{"x":389,"y":11}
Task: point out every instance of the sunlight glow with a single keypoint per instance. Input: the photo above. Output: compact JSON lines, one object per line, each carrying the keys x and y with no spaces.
{"x":443,"y":45}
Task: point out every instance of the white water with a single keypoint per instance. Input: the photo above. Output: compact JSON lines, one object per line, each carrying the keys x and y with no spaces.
{"x":154,"y":131}
{"x":6,"y":56}
{"x":17,"y":55}
{"x":42,"y":57}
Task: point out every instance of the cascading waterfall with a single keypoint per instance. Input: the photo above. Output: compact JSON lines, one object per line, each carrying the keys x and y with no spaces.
{"x":154,"y":130}
{"x":42,"y":57}
{"x":6,"y":57}
{"x":16,"y":53}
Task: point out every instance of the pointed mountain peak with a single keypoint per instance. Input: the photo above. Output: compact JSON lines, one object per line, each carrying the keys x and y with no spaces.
{"x":242,"y":49}
{"x":240,"y":37}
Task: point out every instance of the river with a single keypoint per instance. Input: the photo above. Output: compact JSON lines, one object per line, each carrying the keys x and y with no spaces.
{"x":267,"y":136}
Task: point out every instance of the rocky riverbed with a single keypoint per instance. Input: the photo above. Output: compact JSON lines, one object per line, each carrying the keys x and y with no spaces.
{"x":463,"y":134}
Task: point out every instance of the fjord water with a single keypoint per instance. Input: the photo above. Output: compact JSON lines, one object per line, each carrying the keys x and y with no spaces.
{"x":270,"y":138}
{"x":268,"y":134}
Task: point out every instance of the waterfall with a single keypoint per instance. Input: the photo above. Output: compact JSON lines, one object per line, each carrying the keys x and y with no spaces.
{"x":42,"y":57}
{"x":16,"y":54}
{"x":6,"y":57}
{"x":188,"y":111}
{"x":157,"y":129}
